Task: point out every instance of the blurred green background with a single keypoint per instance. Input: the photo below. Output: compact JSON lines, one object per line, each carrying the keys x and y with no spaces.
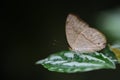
{"x":31,"y":30}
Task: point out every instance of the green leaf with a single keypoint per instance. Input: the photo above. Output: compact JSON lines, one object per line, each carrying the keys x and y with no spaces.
{"x":109,"y":53}
{"x":115,"y":48}
{"x":71,"y":62}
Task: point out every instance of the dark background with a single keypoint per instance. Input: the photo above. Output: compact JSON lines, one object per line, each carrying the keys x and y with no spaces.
{"x":32,"y":30}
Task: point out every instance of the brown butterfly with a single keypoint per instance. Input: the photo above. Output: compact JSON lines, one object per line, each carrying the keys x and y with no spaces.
{"x":81,"y":37}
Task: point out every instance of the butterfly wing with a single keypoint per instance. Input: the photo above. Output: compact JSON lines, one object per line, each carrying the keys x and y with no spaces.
{"x":81,"y":37}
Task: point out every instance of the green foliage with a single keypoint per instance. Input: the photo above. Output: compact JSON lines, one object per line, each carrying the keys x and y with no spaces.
{"x":71,"y":62}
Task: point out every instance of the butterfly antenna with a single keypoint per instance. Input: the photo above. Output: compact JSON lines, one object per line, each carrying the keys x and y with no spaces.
{"x":59,"y":44}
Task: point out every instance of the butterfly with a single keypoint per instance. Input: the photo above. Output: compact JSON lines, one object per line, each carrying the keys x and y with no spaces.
{"x":81,"y":37}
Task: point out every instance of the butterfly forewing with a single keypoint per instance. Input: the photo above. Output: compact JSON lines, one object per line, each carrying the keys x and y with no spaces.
{"x":81,"y":37}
